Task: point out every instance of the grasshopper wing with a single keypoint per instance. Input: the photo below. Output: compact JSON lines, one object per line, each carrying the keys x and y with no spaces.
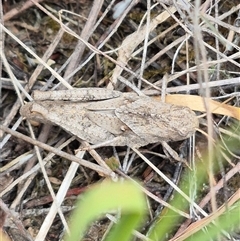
{"x":155,"y":121}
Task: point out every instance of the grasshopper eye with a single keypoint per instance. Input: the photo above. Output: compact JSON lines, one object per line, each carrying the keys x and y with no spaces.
{"x":38,"y":109}
{"x":34,"y":113}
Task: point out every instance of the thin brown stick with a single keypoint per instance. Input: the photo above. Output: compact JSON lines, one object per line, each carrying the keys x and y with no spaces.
{"x":63,"y":154}
{"x":18,"y":9}
{"x":45,"y":57}
{"x":85,"y":35}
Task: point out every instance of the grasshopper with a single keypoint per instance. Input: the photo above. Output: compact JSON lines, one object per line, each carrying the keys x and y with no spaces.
{"x":105,"y":117}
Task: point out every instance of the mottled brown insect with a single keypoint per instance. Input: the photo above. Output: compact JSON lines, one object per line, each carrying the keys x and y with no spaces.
{"x":112,"y":118}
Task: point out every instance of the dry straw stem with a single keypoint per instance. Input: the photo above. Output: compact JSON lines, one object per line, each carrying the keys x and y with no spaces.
{"x":230,"y":174}
{"x":80,"y":161}
{"x":220,"y":184}
{"x":33,"y":170}
{"x":170,"y":182}
{"x":63,"y":81}
{"x":217,"y":83}
{"x":95,"y":51}
{"x":46,"y":225}
{"x":15,"y":220}
{"x":133,"y":40}
{"x":200,"y":224}
{"x":85,"y":35}
{"x":20,"y":8}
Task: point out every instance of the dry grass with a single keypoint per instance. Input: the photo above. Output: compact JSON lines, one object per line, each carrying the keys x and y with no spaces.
{"x":152,"y":48}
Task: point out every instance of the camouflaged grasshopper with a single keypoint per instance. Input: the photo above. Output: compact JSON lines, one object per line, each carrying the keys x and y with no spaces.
{"x":111,"y":118}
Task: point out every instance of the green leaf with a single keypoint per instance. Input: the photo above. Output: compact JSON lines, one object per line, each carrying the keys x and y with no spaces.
{"x":102,"y":198}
